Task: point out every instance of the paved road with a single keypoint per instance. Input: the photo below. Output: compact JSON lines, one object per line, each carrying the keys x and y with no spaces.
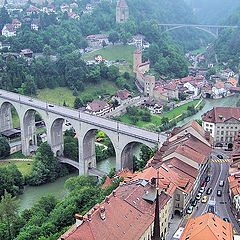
{"x":123,"y":107}
{"x":219,"y":171}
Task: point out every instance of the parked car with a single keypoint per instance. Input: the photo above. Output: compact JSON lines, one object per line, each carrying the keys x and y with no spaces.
{"x":204,"y":184}
{"x":204,"y":199}
{"x":211,"y":209}
{"x":219,"y":193}
{"x":207,"y":179}
{"x":202,"y":189}
{"x":209,"y":191}
{"x":194,"y":203}
{"x":190,"y":209}
{"x":221,"y":183}
{"x":198,"y":196}
{"x":220,"y":156}
{"x":226,"y":219}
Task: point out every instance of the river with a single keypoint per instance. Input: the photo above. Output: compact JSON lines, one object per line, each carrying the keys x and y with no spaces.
{"x":32,"y":194}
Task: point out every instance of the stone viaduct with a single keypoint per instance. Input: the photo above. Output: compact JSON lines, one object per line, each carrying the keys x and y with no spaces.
{"x":123,"y":136}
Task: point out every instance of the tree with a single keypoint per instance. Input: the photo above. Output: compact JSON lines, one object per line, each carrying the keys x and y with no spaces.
{"x":75,"y":92}
{"x":9,"y":207}
{"x":165,"y":121}
{"x":104,"y":44}
{"x":113,"y":37}
{"x":4,"y":147}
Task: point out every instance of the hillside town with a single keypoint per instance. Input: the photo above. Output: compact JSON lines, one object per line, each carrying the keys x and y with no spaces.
{"x":119,"y":122}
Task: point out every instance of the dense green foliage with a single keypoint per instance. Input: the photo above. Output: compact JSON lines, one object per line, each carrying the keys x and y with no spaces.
{"x":4,"y":147}
{"x":145,"y":155}
{"x":227,"y":46}
{"x":46,"y":168}
{"x":49,"y":218}
{"x":9,"y":207}
{"x":11,"y":180}
{"x":136,"y":114}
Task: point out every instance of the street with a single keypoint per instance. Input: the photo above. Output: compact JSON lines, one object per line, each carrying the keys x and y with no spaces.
{"x":218,"y":171}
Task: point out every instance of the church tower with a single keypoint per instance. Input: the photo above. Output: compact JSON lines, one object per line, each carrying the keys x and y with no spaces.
{"x":122,"y":11}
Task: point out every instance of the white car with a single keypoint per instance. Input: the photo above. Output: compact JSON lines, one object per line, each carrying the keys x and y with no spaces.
{"x":198,"y":196}
{"x":190,"y":209}
{"x":202,"y":189}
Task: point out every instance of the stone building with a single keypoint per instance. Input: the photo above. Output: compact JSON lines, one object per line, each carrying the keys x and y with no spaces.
{"x":122,"y":11}
{"x":223,"y":123}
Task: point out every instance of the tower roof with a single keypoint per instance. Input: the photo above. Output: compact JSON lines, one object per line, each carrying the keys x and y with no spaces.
{"x":122,"y":3}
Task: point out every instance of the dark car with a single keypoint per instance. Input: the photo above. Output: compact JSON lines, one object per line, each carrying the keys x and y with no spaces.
{"x":207,"y":179}
{"x":204,"y":184}
{"x":219,"y":193}
{"x":194,"y":203}
{"x":211,"y":209}
{"x":209,"y":191}
{"x":220,"y":156}
{"x":226,"y":219}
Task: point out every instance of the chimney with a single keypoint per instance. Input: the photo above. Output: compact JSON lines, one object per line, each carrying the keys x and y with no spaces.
{"x":102,"y":213}
{"x":107,"y":200}
{"x":89,"y":216}
{"x":79,"y":220}
{"x":114,"y":193}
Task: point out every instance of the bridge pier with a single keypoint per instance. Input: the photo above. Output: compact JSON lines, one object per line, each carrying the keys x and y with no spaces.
{"x":5,"y":117}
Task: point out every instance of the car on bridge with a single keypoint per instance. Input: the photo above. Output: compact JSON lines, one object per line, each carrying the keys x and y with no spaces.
{"x":190,"y":210}
{"x":204,"y":199}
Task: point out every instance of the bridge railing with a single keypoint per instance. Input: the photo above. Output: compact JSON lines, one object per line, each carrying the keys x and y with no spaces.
{"x":98,"y":121}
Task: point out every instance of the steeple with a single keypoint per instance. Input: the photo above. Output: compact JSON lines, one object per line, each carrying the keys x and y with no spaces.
{"x":156,"y":227}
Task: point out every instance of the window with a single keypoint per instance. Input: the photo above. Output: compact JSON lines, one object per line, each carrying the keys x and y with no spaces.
{"x":177,"y":197}
{"x":227,"y":127}
{"x":226,"y":132}
{"x":221,"y":138}
{"x":210,"y":130}
{"x":177,"y":205}
{"x":235,"y":127}
{"x":231,"y":127}
{"x":222,"y":127}
{"x":207,"y":124}
{"x":218,"y":132}
{"x":222,"y":132}
{"x":226,"y":139}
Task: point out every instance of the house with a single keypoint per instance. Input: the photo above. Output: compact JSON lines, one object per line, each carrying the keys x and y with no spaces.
{"x":122,"y":96}
{"x":193,"y":87}
{"x":49,"y":9}
{"x":74,"y":4}
{"x":73,"y":15}
{"x":207,"y":226}
{"x":219,"y":90}
{"x":227,"y":73}
{"x":137,"y":40}
{"x":154,"y":107}
{"x":97,"y":39}
{"x":159,"y":93}
{"x":65,"y":8}
{"x":8,"y":30}
{"x":127,"y":213}
{"x":99,"y":108}
{"x":26,"y":53}
{"x":35,"y":24}
{"x":223,"y":123}
{"x":231,"y":82}
{"x":98,"y":58}
{"x":32,"y":10}
{"x":16,"y":23}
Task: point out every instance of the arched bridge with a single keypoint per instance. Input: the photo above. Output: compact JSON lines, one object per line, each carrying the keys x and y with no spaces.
{"x":211,"y":29}
{"x":122,"y":136}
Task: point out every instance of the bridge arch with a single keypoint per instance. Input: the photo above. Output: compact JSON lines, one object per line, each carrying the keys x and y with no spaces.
{"x":89,"y":157}
{"x":127,"y":153}
{"x":56,"y":130}
{"x":29,"y":130}
{"x":6,"y":122}
{"x":197,"y":27}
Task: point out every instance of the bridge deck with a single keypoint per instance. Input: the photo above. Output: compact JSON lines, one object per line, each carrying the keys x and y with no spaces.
{"x":101,"y":122}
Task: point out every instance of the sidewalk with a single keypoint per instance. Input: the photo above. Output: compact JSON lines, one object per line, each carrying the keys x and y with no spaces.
{"x":173,"y":226}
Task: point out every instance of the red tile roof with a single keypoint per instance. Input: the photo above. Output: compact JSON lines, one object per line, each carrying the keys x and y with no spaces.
{"x":97,"y":105}
{"x":122,"y":94}
{"x":107,"y":183}
{"x":122,"y":3}
{"x":221,"y":114}
{"x":207,"y":226}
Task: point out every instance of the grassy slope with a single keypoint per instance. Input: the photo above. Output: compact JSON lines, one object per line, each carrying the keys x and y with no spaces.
{"x":58,"y":95}
{"x":157,"y":118}
{"x":113,"y":53}
{"x":24,"y":167}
